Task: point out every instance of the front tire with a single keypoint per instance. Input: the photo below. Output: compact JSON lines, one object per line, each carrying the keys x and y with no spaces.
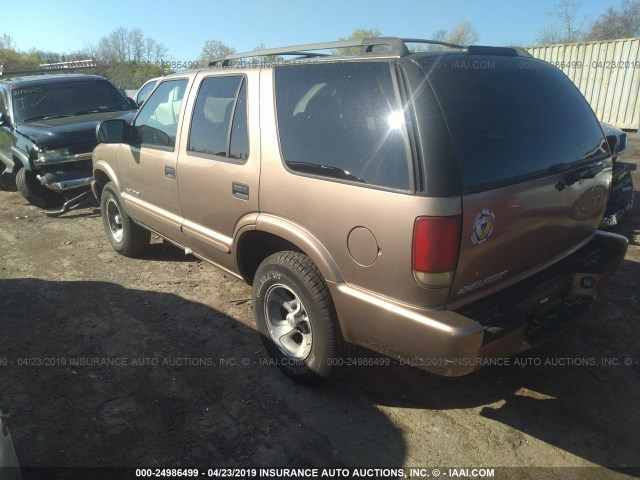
{"x":36,"y":193}
{"x":297,"y":320}
{"x":127,"y":237}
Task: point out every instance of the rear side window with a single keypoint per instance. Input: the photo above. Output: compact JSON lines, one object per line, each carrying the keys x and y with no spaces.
{"x":344,"y":121}
{"x":511,"y":118}
{"x":157,"y":123}
{"x":219,"y":121}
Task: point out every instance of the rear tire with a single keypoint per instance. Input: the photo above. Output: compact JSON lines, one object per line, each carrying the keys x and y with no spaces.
{"x":297,"y":320}
{"x":36,"y":193}
{"x":126,"y":237}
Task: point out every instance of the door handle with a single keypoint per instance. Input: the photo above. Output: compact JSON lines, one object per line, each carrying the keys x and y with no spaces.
{"x":170,"y":172}
{"x":240,"y":190}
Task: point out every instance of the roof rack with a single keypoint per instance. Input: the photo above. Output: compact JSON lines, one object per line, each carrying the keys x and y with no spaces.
{"x":52,"y":68}
{"x":395,"y":47}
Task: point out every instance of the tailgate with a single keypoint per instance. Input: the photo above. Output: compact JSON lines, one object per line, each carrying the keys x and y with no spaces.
{"x":533,"y":162}
{"x":519,"y":229}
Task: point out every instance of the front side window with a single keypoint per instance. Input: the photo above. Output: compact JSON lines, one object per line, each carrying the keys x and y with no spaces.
{"x":219,"y":122}
{"x":343,"y":121}
{"x":157,"y":123}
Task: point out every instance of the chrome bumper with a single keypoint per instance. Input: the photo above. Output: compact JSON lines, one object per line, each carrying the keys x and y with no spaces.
{"x":40,"y":161}
{"x":63,"y":186}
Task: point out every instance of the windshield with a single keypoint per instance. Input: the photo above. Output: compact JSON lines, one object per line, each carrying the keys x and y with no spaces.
{"x":512,"y":117}
{"x":40,"y":102}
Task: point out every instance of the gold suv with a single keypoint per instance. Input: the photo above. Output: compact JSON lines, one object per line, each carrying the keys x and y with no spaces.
{"x":438,"y":204}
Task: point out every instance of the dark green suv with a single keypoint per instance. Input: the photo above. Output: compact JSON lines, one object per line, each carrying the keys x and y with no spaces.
{"x":47,"y":133}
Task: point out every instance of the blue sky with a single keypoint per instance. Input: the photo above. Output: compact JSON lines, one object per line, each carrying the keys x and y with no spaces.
{"x":64,"y":26}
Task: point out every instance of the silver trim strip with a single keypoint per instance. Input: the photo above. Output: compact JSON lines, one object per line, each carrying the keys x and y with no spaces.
{"x":159,"y":214}
{"x":69,"y":184}
{"x":213,"y":238}
{"x":63,"y":159}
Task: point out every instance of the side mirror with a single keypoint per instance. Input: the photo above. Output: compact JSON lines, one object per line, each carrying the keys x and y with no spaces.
{"x":113,"y":131}
{"x":134,"y":105}
{"x":4,"y":120}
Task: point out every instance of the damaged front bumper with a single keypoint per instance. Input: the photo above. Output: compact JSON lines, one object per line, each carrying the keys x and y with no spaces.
{"x":64,"y":181}
{"x":61,"y":170}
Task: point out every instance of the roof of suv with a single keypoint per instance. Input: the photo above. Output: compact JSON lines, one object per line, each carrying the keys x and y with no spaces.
{"x":371,"y":47}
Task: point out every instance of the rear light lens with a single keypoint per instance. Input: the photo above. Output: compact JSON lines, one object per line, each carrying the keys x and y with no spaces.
{"x":436,"y":243}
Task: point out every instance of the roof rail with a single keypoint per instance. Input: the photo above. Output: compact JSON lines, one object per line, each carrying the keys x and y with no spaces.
{"x":396,"y":47}
{"x":52,"y":68}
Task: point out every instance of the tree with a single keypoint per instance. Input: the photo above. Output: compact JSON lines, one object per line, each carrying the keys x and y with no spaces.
{"x":357,"y":34}
{"x":464,"y":33}
{"x":567,"y":28}
{"x":214,"y":49}
{"x":7,"y":43}
{"x":124,"y":45}
{"x":11,"y":59}
{"x":48,"y":57}
{"x":125,"y":56}
{"x":614,"y":24}
{"x":265,"y":58}
{"x":137,"y":45}
{"x":154,"y":51}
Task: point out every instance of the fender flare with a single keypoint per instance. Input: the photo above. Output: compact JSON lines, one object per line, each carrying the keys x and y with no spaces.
{"x":296,"y":235}
{"x":106,"y":169}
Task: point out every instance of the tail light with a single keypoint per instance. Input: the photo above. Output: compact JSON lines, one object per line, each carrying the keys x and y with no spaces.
{"x":436,"y":243}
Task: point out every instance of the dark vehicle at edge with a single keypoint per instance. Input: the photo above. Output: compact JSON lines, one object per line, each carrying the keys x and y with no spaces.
{"x":47,"y":133}
{"x":622,"y":192}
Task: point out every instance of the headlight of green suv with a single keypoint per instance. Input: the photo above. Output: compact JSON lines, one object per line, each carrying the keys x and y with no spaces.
{"x":53,"y":154}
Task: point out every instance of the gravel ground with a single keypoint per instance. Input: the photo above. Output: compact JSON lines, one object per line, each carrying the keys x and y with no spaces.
{"x":155,"y":362}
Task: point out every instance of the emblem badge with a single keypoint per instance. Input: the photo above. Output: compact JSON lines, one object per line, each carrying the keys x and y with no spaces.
{"x":483,"y":226}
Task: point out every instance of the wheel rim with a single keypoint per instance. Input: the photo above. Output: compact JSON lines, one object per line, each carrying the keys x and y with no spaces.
{"x":114,"y":219}
{"x":288,"y":322}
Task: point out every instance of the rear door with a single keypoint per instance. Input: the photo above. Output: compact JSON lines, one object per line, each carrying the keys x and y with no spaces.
{"x":219,"y":165}
{"x":533,"y":162}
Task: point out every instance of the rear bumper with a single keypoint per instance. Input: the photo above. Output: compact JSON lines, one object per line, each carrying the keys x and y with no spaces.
{"x":455,"y":343}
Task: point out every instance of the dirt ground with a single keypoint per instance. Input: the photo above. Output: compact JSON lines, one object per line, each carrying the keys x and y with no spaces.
{"x":155,"y":362}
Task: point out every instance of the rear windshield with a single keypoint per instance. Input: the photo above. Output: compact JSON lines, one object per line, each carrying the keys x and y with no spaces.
{"x":66,"y":99}
{"x":512,"y":117}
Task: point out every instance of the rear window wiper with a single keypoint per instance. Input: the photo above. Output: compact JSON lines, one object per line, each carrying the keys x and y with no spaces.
{"x":584,"y":173}
{"x":324,"y":170}
{"x":44,"y":117}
